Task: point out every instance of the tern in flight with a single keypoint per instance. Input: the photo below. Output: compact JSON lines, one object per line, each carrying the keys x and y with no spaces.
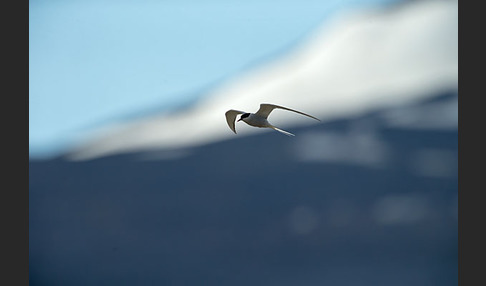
{"x":259,"y":119}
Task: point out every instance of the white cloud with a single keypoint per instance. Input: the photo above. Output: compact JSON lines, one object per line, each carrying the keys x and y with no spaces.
{"x":356,"y":147}
{"x":399,"y":209}
{"x":434,"y":163}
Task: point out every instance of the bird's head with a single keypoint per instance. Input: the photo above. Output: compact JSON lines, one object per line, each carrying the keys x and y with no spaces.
{"x":243,"y":116}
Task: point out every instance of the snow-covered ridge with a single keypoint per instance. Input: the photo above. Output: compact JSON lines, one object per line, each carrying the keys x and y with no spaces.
{"x":359,"y":62}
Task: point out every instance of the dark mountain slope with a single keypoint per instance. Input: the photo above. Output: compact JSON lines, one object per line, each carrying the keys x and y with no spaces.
{"x":257,"y":210}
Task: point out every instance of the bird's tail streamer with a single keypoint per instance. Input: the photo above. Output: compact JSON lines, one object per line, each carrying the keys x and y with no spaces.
{"x":282,"y":131}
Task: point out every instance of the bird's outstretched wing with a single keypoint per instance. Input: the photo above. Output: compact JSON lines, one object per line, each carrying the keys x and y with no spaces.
{"x":266,"y":108}
{"x":231,"y":117}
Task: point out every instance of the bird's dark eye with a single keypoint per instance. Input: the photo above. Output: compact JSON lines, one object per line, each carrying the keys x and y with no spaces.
{"x":245,"y":115}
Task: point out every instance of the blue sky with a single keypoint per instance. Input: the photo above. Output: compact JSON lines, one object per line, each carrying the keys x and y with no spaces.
{"x":94,"y":61}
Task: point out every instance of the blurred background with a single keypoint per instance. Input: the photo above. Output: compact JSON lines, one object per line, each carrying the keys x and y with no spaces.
{"x":136,"y":179}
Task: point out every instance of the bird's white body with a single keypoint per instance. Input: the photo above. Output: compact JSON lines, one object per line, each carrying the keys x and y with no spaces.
{"x":259,"y":119}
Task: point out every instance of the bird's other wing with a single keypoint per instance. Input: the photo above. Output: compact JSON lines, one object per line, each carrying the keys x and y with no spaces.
{"x":231,"y":117}
{"x":266,"y":108}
